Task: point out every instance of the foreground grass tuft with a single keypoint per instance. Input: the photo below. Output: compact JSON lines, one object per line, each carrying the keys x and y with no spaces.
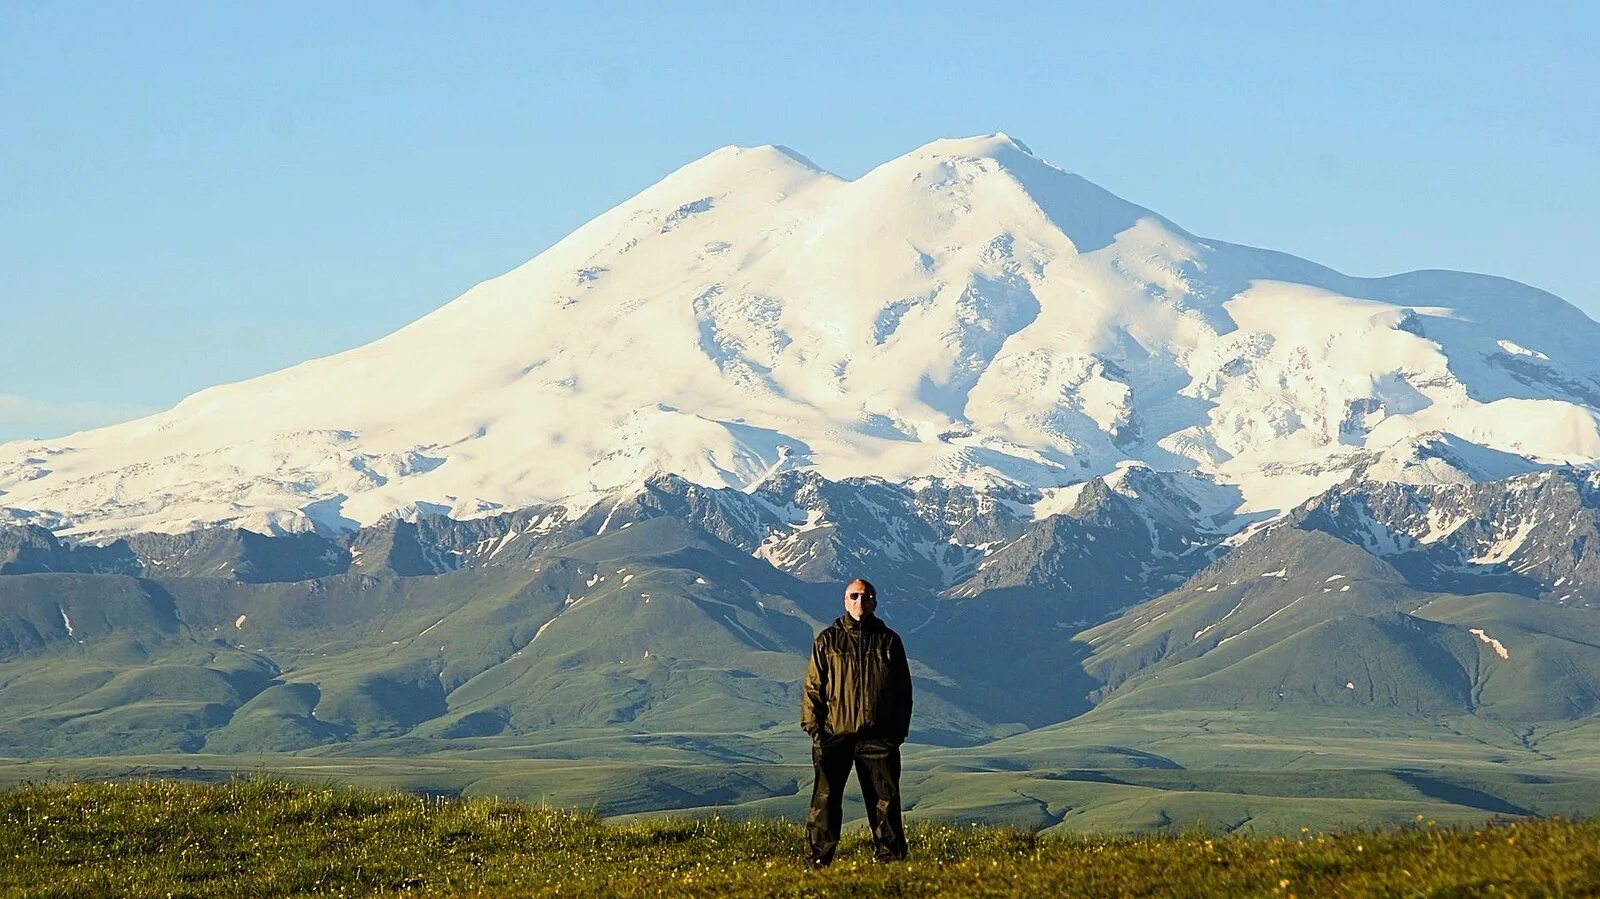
{"x":264,"y":837}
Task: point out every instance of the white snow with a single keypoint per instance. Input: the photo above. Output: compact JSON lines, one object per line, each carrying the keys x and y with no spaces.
{"x":1281,"y":572}
{"x":1503,"y":549}
{"x":1259,"y":623}
{"x":67,"y":622}
{"x":1333,"y":578}
{"x":812,"y":522}
{"x":238,"y":623}
{"x":501,"y":544}
{"x":1058,"y":501}
{"x":966,"y":311}
{"x":1516,"y":350}
{"x":1153,"y":620}
{"x":431,"y":627}
{"x":1441,"y":526}
{"x":1203,"y":631}
{"x":1498,"y":647}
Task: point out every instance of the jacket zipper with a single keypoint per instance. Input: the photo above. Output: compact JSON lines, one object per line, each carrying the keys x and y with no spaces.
{"x":861,"y":682}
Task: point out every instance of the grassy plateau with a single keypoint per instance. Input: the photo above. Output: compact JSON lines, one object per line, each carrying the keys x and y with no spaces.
{"x":259,"y":837}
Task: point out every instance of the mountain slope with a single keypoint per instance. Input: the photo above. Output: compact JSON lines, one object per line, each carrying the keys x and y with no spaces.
{"x":966,"y":311}
{"x":1329,"y":629}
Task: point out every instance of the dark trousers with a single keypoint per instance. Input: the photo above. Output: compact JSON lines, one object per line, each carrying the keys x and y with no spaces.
{"x":877,"y":764}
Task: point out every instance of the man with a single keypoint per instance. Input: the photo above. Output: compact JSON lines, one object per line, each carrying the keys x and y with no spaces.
{"x":857,"y":708}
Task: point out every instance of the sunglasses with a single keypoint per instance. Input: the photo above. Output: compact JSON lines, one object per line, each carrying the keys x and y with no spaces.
{"x":860,"y":595}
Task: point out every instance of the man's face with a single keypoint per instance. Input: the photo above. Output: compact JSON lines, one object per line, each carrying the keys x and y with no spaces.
{"x":858,"y":600}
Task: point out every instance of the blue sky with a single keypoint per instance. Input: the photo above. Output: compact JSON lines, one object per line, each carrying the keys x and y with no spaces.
{"x":196,"y":193}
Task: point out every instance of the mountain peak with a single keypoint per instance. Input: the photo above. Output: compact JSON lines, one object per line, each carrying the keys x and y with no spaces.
{"x":728,"y":163}
{"x":762,"y":152}
{"x":731,"y":168}
{"x":985,"y":146}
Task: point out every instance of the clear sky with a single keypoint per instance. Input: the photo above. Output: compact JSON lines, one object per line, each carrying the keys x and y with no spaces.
{"x":193,"y":193}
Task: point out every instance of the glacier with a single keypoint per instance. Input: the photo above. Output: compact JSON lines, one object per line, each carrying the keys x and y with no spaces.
{"x":966,"y":312}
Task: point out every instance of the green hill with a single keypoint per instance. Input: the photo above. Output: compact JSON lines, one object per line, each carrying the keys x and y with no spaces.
{"x":655,"y":667}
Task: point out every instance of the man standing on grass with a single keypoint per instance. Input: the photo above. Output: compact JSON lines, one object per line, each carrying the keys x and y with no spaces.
{"x":857,"y":709}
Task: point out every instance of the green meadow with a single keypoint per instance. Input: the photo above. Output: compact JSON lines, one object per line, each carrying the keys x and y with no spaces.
{"x":1246,"y":772}
{"x":270,"y":837}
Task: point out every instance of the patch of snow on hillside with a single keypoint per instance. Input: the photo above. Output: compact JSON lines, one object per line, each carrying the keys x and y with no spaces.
{"x":1057,"y":501}
{"x":501,"y":543}
{"x":1498,"y":647}
{"x":1502,"y":550}
{"x":812,"y":522}
{"x":1516,"y":350}
{"x":1441,"y":525}
{"x":542,"y":628}
{"x":1202,"y":632}
{"x":1259,"y":623}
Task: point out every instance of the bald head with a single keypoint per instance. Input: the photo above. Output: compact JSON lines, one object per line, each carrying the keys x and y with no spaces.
{"x":860,"y":598}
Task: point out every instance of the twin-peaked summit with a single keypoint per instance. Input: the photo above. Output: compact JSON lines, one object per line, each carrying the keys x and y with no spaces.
{"x":966,"y":311}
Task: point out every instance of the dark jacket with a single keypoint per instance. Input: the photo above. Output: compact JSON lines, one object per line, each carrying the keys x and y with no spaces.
{"x":858,"y":682}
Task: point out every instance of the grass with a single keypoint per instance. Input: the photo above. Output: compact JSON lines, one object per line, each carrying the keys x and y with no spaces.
{"x":1251,"y":771}
{"x":270,"y":837}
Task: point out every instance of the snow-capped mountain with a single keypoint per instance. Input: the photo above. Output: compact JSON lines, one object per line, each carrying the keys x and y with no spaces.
{"x":966,"y":312}
{"x":1534,"y":534}
{"x":1145,"y":531}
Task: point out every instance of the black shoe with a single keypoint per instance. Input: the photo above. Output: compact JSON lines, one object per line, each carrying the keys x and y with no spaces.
{"x":888,"y":859}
